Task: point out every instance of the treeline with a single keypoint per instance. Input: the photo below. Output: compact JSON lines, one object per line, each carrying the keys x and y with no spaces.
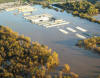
{"x":90,"y":43}
{"x":84,"y":9}
{"x":22,"y":58}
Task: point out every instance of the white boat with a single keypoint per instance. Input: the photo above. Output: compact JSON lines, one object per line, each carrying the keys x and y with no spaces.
{"x":70,"y":29}
{"x":63,"y":31}
{"x":81,"y":29}
{"x":80,"y":36}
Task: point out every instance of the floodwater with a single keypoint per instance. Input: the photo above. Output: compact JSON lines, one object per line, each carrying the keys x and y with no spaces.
{"x":83,"y":62}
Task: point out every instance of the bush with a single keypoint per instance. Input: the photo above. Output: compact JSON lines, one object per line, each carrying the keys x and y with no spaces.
{"x":97,"y":49}
{"x":56,"y":9}
{"x":75,"y":12}
{"x":62,"y":10}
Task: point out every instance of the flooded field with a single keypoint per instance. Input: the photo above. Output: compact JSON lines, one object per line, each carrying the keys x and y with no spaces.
{"x":61,"y":38}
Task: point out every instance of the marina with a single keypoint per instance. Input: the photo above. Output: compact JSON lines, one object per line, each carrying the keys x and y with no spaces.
{"x":46,"y":20}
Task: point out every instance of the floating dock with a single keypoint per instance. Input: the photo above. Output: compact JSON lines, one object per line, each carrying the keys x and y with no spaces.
{"x":63,"y":31}
{"x":81,"y":29}
{"x":70,"y":29}
{"x":80,"y":36}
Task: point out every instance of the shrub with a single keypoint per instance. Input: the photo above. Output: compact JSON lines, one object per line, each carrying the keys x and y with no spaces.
{"x":62,"y":10}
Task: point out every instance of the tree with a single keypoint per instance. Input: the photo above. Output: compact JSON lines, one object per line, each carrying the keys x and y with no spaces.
{"x":66,"y":68}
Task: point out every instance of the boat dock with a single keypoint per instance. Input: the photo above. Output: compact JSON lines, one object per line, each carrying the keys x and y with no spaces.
{"x":80,"y":36}
{"x":81,"y":29}
{"x":63,"y":31}
{"x":70,"y":29}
